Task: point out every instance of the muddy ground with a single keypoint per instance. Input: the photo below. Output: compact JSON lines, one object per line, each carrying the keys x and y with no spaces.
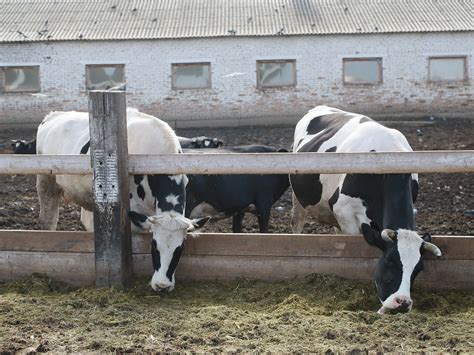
{"x":445,"y":203}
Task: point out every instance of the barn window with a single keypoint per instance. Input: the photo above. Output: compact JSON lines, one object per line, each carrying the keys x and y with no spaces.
{"x":447,"y":68}
{"x":191,"y":75}
{"x":362,"y":71}
{"x":103,"y":77}
{"x":272,"y":73}
{"x":20,"y":79}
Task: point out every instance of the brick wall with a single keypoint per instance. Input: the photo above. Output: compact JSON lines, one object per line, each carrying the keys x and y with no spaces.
{"x":405,"y":91}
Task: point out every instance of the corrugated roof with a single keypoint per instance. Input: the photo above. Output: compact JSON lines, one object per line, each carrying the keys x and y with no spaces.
{"x":60,"y":20}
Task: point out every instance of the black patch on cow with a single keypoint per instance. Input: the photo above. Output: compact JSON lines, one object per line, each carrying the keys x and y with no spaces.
{"x":161,"y":186}
{"x":331,"y":150}
{"x":387,"y":198}
{"x":330,"y":123}
{"x":141,"y":192}
{"x":131,"y":196}
{"x":307,"y":188}
{"x":155,"y":255}
{"x":85,"y":148}
{"x":333,"y":199}
{"x":388,"y":272}
{"x":174,"y":262}
{"x":138,"y":179}
{"x":137,"y":218}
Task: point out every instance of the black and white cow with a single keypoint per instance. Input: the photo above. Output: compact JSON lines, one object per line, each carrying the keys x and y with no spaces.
{"x":380,"y":206}
{"x":199,"y":142}
{"x":156,"y":201}
{"x":223,"y":196}
{"x":21,"y":146}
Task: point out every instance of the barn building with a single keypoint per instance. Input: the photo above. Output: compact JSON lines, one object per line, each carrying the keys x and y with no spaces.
{"x":238,"y":62}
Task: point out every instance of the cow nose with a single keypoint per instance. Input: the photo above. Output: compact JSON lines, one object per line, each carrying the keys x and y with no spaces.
{"x":162,"y":287}
{"x":404,"y":304}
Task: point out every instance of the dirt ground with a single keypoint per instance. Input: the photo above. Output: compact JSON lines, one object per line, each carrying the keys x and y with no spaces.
{"x":445,"y":204}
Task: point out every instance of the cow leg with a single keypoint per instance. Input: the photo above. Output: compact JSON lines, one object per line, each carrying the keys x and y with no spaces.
{"x":298,"y":215}
{"x":49,"y":194}
{"x":87,"y":219}
{"x":237,"y":222}
{"x":263,"y":217}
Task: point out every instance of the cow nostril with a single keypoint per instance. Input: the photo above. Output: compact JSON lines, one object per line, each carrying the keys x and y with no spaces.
{"x":162,"y":287}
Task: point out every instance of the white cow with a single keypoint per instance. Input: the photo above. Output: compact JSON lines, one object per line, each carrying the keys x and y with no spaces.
{"x":156,"y":201}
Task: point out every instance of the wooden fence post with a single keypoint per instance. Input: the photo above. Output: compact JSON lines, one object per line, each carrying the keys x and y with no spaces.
{"x":109,"y":159}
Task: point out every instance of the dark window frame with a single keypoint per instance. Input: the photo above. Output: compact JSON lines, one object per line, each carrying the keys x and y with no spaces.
{"x":465,"y":74}
{"x":87,"y":73}
{"x":191,"y":64}
{"x":259,"y":84}
{"x":2,"y":79}
{"x":378,"y":60}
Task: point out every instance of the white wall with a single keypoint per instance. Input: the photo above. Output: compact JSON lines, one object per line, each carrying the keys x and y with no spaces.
{"x":236,"y":100}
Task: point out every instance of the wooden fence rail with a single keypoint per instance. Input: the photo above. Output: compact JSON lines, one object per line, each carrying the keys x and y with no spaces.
{"x":271,"y":163}
{"x":69,"y":257}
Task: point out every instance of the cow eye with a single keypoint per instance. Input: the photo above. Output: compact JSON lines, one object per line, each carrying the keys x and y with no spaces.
{"x":387,"y":277}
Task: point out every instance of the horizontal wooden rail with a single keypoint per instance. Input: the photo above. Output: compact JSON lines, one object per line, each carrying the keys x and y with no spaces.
{"x":69,"y":256}
{"x":236,"y":244}
{"x":269,"y":163}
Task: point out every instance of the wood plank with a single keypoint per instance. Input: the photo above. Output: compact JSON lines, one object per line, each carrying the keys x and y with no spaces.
{"x":78,"y":268}
{"x":327,"y":245}
{"x":321,"y":163}
{"x":455,"y":161}
{"x":111,"y":189}
{"x":74,"y":268}
{"x":301,"y":245}
{"x":438,"y":274}
{"x":46,"y":241}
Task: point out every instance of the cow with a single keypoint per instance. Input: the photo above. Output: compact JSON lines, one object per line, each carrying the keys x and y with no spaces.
{"x":199,"y":142}
{"x":380,"y":206}
{"x":21,"y":146}
{"x":224,"y":196}
{"x":157,"y":202}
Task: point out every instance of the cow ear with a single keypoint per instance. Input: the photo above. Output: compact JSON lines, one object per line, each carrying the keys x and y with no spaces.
{"x":427,"y":237}
{"x":372,"y":236}
{"x":198,"y":223}
{"x":218,"y":143}
{"x":140,"y":220}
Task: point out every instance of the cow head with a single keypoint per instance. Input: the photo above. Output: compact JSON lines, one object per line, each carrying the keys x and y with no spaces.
{"x":21,"y":146}
{"x":205,"y":142}
{"x":169,"y":231}
{"x":400,"y":263}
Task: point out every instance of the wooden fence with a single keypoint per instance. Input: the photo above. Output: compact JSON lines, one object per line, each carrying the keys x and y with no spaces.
{"x":69,"y":257}
{"x":112,"y":257}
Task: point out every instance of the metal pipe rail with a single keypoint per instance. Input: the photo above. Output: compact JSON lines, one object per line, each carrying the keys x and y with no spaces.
{"x":460,"y":161}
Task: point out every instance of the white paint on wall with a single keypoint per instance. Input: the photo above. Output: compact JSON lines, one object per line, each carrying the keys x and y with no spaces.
{"x":236,"y":99}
